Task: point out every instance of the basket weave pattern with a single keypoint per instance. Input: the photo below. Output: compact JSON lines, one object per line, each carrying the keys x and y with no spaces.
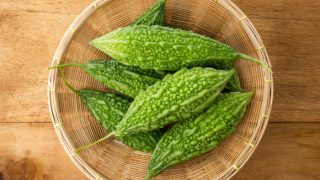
{"x":75,"y":127}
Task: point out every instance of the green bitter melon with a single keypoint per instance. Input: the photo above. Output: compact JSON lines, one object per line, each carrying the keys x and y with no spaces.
{"x":176,"y":97}
{"x":194,"y":137}
{"x":128,"y":80}
{"x":164,"y":48}
{"x":108,"y":110}
{"x":234,"y":82}
{"x":154,"y":16}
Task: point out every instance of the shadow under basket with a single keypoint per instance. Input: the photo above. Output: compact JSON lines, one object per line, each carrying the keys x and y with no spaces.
{"x":75,"y":127}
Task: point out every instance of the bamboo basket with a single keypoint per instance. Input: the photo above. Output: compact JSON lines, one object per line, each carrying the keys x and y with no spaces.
{"x":75,"y":127}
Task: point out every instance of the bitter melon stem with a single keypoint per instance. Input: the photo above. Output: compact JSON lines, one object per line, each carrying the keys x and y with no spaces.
{"x":66,"y":65}
{"x":256,"y":61}
{"x":94,"y":143}
{"x":149,"y":176}
{"x":77,"y":91}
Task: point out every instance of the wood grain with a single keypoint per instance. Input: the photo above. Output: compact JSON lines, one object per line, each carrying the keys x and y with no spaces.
{"x":45,"y":6}
{"x":32,"y":151}
{"x":31,"y":31}
{"x":27,"y":43}
{"x":287,"y":151}
{"x":290,"y":31}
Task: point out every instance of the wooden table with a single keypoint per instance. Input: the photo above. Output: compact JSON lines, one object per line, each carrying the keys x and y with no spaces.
{"x":30,"y":32}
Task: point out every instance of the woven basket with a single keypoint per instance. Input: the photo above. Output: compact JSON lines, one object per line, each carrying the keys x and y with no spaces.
{"x":75,"y":127}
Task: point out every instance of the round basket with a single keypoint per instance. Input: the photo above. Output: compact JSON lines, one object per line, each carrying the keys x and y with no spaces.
{"x":75,"y":127}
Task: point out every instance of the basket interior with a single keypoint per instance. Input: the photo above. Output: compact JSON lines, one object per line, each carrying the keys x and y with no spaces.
{"x":113,"y":160}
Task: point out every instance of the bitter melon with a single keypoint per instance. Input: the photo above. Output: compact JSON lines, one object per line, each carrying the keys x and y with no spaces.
{"x":128,"y":80}
{"x":193,"y":137}
{"x":154,"y":16}
{"x":176,"y":97}
{"x":164,"y":48}
{"x":109,"y":109}
{"x":234,"y":82}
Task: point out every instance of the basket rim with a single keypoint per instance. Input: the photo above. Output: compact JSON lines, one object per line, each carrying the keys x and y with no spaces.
{"x":266,"y":106}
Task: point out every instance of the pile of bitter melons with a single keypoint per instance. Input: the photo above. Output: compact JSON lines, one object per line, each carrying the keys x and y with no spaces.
{"x":168,"y":76}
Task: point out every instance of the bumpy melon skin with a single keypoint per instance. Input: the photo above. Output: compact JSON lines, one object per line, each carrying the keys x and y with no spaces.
{"x":234,"y":84}
{"x":176,"y":97}
{"x":125,"y":79}
{"x":162,"y":48}
{"x":154,"y":15}
{"x":195,"y":136}
{"x":109,"y":109}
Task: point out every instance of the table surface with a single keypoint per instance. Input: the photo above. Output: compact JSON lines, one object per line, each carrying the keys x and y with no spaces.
{"x":30,"y":32}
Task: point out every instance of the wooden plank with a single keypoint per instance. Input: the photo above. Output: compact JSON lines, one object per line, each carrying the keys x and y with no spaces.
{"x":290,"y":31}
{"x":33,"y":151}
{"x":27,"y":44}
{"x":288,"y":151}
{"x":47,"y":6}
